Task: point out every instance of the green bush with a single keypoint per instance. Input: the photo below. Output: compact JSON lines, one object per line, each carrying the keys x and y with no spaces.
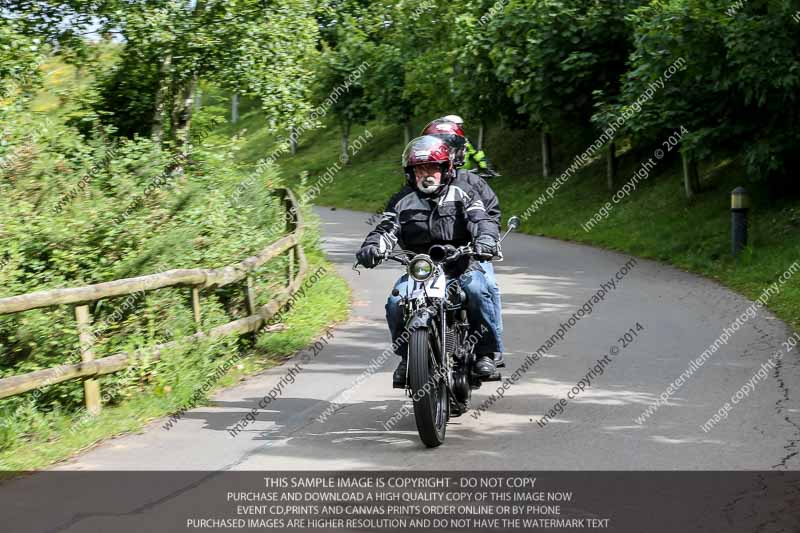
{"x":79,"y":210}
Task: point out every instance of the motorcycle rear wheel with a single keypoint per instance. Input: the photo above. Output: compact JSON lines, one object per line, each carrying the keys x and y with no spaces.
{"x":431,"y":405}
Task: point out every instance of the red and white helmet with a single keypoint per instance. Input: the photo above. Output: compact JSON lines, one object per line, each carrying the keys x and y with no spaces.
{"x":455,"y":119}
{"x":452,"y":134}
{"x":424,"y":151}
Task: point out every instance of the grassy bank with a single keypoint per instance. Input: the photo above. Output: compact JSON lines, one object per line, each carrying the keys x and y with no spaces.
{"x":62,"y":434}
{"x":654,"y":221}
{"x":65,"y":188}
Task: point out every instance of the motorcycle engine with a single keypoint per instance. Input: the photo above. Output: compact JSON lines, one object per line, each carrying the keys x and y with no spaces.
{"x":461,"y":386}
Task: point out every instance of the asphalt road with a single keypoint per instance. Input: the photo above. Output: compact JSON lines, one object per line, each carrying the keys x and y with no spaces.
{"x":543,"y":283}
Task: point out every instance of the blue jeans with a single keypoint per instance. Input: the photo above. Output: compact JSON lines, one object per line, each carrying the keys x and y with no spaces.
{"x":488,"y":267}
{"x":480,"y":312}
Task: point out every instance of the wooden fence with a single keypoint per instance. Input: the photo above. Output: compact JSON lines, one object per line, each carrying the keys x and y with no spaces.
{"x":196,"y":279}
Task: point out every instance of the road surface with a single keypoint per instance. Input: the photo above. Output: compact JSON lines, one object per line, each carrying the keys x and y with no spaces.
{"x":544,"y":282}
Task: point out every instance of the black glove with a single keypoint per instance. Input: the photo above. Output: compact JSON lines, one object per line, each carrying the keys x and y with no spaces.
{"x":369,"y":256}
{"x":486,"y":246}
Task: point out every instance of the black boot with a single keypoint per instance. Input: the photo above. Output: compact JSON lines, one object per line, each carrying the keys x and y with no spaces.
{"x":484,"y":366}
{"x":499,"y":360}
{"x":399,"y":376}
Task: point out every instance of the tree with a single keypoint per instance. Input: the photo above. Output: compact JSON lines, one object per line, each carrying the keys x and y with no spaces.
{"x":554,"y":54}
{"x":735,"y":89}
{"x":339,"y":89}
{"x":385,"y":86}
{"x":243,"y":46}
{"x":20,"y":58}
{"x":477,"y":92}
{"x":393,"y":48}
{"x":248,"y":46}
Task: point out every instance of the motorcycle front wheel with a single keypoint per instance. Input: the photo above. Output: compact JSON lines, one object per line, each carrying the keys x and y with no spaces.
{"x":428,"y":391}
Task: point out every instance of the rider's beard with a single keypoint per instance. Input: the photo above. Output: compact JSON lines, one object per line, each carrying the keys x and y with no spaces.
{"x":429,"y":184}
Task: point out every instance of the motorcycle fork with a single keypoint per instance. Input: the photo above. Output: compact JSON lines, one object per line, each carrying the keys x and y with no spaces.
{"x":437,"y":346}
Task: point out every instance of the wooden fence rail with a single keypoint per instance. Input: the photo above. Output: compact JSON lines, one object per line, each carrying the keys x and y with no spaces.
{"x":196,"y":278}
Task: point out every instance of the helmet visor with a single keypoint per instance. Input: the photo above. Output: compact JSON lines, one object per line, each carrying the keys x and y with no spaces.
{"x":426,"y":149}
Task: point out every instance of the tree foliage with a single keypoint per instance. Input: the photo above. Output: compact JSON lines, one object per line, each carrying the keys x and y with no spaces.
{"x":248,"y":46}
{"x":339,"y":88}
{"x":738,"y":88}
{"x":477,"y":92}
{"x":553,"y":54}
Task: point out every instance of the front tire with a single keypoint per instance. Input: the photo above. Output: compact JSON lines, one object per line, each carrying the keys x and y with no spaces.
{"x":428,"y":392}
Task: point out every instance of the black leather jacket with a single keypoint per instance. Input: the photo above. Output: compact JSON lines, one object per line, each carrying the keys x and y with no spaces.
{"x":457,"y":216}
{"x":486,"y":194}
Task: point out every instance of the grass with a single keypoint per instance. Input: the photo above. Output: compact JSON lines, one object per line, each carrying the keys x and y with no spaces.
{"x":655,"y":221}
{"x":325,"y":305}
{"x":33,"y":439}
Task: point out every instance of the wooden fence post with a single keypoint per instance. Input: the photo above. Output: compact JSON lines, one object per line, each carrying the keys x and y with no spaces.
{"x":251,"y":296}
{"x":290,"y":267}
{"x":196,"y":308}
{"x":91,"y":387}
{"x":291,"y":225}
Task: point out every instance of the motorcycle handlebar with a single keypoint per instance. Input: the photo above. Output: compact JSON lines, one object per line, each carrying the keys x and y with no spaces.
{"x":448,"y":252}
{"x":445,"y":253}
{"x":439,"y":253}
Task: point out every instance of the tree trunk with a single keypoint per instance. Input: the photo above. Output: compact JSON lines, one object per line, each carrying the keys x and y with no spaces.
{"x":611,"y":165}
{"x":182,"y":116}
{"x":407,"y":132}
{"x":481,"y":129}
{"x":162,"y":96}
{"x":188,"y":111}
{"x":235,"y":108}
{"x":183,"y":102}
{"x":345,"y":142}
{"x":547,"y":154}
{"x":691,"y":176}
{"x":293,"y":139}
{"x":198,"y":98}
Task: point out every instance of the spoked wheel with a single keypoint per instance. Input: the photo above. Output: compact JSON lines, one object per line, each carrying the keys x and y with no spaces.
{"x":428,"y":391}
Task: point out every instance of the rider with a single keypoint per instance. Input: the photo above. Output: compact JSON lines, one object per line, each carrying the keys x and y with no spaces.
{"x":473,"y":159}
{"x":437,"y":207}
{"x":452,"y":133}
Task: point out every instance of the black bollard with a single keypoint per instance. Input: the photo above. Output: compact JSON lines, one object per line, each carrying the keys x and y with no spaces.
{"x":740,"y":205}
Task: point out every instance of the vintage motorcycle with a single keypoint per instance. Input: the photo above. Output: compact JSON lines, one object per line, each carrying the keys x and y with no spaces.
{"x":440,"y":371}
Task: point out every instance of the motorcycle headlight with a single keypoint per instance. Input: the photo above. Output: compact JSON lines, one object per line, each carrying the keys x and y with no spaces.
{"x":420,"y":268}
